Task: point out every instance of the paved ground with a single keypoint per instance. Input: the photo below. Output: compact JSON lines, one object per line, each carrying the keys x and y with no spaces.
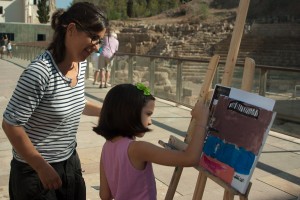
{"x":276,"y":177}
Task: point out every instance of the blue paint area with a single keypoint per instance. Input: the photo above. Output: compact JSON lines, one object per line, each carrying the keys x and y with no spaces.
{"x":236,"y":157}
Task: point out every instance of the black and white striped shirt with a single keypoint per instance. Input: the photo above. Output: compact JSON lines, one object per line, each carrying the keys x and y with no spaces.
{"x":48,"y":108}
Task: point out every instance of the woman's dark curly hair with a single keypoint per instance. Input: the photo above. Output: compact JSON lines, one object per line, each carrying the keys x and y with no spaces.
{"x":121,"y":112}
{"x":89,"y":16}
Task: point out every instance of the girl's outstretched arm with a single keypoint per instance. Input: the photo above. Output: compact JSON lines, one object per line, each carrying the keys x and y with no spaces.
{"x":104,"y":192}
{"x":140,"y":151}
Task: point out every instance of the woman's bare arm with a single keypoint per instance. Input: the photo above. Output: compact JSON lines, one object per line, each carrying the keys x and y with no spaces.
{"x":22,"y":144}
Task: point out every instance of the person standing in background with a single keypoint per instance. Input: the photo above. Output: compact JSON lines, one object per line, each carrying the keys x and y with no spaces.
{"x":5,"y":40}
{"x":110,"y":47}
{"x":2,"y":46}
{"x":42,"y":117}
{"x":9,"y":49}
{"x":95,"y":62}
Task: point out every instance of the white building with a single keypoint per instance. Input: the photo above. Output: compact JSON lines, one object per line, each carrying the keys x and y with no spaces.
{"x":23,"y":11}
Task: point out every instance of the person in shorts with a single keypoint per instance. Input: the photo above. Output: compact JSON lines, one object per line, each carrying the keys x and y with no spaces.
{"x":95,"y":62}
{"x":109,"y":48}
{"x":3,"y":46}
{"x":9,"y":49}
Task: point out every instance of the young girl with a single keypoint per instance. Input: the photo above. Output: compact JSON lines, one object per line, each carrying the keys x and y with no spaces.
{"x":126,"y":164}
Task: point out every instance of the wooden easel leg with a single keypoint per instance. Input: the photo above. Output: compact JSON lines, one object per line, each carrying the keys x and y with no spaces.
{"x":235,"y":42}
{"x":248,"y":75}
{"x":174,"y":182}
{"x":203,"y":98}
{"x":245,"y":196}
{"x":200,"y":186}
{"x":228,"y":195}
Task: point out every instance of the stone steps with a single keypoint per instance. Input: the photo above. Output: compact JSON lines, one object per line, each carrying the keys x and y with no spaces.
{"x":276,"y":51}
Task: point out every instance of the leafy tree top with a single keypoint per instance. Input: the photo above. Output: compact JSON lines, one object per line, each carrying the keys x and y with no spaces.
{"x":43,"y":11}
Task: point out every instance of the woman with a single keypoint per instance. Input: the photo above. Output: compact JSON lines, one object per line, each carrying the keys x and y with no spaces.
{"x":42,"y":116}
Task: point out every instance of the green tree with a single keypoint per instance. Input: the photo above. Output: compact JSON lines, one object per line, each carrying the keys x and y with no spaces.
{"x":130,"y":8}
{"x":43,"y":11}
{"x":122,"y":9}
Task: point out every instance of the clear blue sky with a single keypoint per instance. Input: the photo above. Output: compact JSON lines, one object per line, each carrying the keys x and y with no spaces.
{"x":63,"y":3}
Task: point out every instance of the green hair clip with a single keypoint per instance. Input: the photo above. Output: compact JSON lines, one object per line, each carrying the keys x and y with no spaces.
{"x":145,"y":89}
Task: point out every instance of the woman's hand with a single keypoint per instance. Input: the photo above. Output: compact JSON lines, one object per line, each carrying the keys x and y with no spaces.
{"x":22,"y":144}
{"x":49,"y":177}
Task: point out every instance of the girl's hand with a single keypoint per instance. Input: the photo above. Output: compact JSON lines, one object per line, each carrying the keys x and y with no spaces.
{"x":200,"y":113}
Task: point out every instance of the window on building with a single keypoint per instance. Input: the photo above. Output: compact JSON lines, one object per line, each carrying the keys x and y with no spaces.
{"x":1,"y":9}
{"x":10,"y":36}
{"x":41,"y":37}
{"x":34,"y":2}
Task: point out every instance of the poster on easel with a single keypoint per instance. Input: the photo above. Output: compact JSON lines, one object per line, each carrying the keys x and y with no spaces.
{"x":238,"y":126}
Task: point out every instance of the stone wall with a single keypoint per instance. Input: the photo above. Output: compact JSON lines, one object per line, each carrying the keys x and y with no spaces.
{"x":202,"y":41}
{"x":268,"y":44}
{"x":183,"y":40}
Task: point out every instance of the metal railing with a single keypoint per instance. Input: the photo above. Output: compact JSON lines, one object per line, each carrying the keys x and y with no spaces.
{"x":179,"y":79}
{"x":297,"y":91}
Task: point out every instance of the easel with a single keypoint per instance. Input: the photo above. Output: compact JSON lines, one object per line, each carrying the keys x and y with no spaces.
{"x":247,"y":83}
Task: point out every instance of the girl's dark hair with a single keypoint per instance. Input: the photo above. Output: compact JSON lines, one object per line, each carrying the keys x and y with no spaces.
{"x":89,"y":16}
{"x":121,"y":112}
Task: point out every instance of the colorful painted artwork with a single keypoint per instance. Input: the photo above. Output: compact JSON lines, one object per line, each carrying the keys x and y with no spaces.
{"x":238,"y":125}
